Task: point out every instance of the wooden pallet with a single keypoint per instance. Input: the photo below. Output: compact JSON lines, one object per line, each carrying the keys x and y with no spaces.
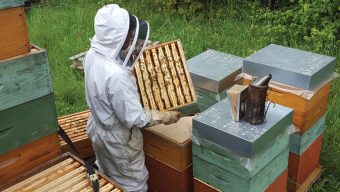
{"x":312,"y":178}
{"x":170,"y":144}
{"x":301,"y":166}
{"x":14,"y":163}
{"x":64,"y":173}
{"x":306,"y":112}
{"x":163,"y":178}
{"x":14,"y":39}
{"x":75,"y":127}
{"x":164,"y":81}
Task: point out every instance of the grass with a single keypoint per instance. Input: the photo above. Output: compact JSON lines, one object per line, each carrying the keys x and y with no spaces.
{"x":64,"y":29}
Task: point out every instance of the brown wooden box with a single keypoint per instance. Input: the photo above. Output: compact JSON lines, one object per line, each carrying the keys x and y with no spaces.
{"x":63,"y":173}
{"x":75,"y":127}
{"x":306,"y":112}
{"x":13,"y":33}
{"x":163,"y":78}
{"x":170,"y":144}
{"x":26,"y":157}
{"x":163,"y":178}
{"x":300,"y":167}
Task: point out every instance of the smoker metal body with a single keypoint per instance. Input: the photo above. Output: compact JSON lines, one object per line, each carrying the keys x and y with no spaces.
{"x":290,"y":66}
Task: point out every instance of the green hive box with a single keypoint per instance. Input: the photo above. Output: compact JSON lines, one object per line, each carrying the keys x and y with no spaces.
{"x":246,"y":168}
{"x":27,"y":106}
{"x":4,"y":4}
{"x":206,"y":99}
{"x":300,"y":143}
{"x":27,"y":122}
{"x":24,"y":78}
{"x":227,"y":181}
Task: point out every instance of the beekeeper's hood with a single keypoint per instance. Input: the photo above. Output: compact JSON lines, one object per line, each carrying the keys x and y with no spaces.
{"x":113,"y":25}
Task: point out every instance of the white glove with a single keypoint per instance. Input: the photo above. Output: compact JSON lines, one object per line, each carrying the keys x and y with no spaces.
{"x":166,"y":117}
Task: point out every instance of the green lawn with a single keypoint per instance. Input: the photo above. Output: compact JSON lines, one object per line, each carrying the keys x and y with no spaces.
{"x":64,"y":30}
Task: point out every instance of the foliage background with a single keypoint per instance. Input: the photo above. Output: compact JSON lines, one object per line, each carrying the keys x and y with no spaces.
{"x":238,"y":27}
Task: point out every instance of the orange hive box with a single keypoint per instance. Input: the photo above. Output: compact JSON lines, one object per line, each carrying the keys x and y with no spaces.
{"x":306,"y":112}
{"x":64,"y":173}
{"x":75,"y":127}
{"x":14,"y":163}
{"x":301,"y":167}
{"x":163,"y":78}
{"x":13,"y":33}
{"x":163,"y":178}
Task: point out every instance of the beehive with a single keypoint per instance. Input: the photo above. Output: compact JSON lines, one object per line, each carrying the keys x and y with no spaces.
{"x":163,"y":178}
{"x":16,"y":162}
{"x":290,"y":66}
{"x":216,"y":125}
{"x":279,"y":185}
{"x":301,"y":167}
{"x":75,"y":127}
{"x":170,"y":144}
{"x":212,"y":73}
{"x":306,"y":111}
{"x":163,"y":79}
{"x":14,"y":39}
{"x":65,"y":173}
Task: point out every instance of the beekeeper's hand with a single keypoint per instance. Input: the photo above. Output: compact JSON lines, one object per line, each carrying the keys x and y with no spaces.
{"x":165,"y":117}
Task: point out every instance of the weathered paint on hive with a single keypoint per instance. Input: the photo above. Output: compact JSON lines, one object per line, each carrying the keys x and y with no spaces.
{"x":290,"y":66}
{"x":10,"y":3}
{"x":213,"y":70}
{"x":227,"y":181}
{"x":27,"y":122}
{"x":216,"y":125}
{"x":243,"y":167}
{"x":300,"y":143}
{"x":24,"y":78}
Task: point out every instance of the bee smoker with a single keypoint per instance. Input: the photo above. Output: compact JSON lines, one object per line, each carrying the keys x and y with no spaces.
{"x":255,"y":103}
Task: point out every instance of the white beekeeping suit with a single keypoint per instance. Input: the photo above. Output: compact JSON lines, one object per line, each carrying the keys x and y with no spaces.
{"x":111,"y":94}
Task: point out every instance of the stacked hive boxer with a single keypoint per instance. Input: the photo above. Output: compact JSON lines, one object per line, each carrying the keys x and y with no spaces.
{"x":168,"y":156}
{"x":64,"y":173}
{"x":75,"y":127}
{"x":302,"y":81}
{"x":212,"y":73}
{"x":163,"y":79}
{"x":27,"y":109}
{"x":237,"y":156}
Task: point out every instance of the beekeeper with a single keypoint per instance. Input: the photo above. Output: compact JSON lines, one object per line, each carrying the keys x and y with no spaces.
{"x":111,"y":94}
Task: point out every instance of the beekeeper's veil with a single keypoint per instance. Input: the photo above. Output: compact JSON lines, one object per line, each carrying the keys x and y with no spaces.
{"x":119,"y":36}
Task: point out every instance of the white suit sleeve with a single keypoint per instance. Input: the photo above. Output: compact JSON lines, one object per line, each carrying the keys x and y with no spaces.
{"x":126,"y":104}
